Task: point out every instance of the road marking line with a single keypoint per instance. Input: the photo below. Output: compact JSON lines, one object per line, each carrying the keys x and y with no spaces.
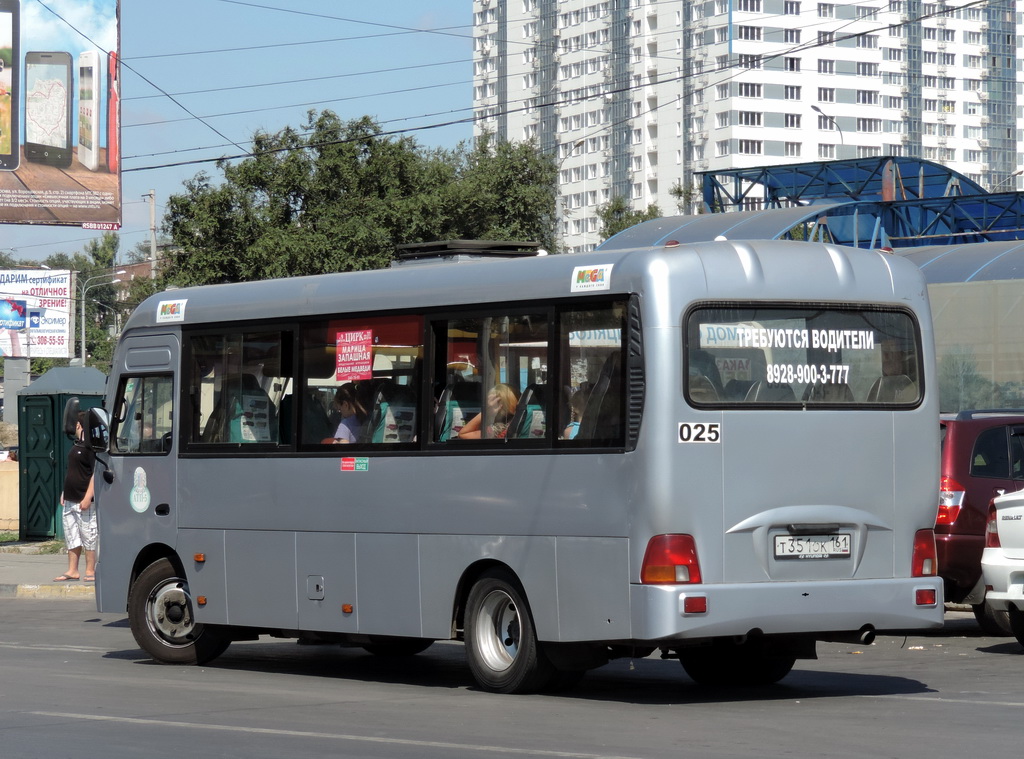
{"x":940,"y":700}
{"x":332,"y":736}
{"x":41,"y":647}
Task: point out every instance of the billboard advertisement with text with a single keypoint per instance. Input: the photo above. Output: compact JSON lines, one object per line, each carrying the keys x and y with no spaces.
{"x":59,"y":113}
{"x":36,"y":313}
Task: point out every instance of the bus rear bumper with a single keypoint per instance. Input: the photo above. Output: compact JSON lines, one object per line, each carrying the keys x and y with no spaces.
{"x":818,"y":608}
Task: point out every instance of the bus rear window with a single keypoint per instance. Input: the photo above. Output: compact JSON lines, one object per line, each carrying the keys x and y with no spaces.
{"x":788,"y":356}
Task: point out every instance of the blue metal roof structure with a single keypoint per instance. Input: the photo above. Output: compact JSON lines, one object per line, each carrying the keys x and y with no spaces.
{"x":884,"y":178}
{"x":867,"y":203}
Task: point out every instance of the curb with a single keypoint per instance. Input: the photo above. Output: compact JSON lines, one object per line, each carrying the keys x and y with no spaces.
{"x":33,"y":547}
{"x":82,"y":590}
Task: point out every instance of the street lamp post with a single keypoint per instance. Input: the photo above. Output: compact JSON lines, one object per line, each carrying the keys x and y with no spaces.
{"x":842,"y":139}
{"x":562,"y":211}
{"x":85,"y":287}
{"x":1007,"y":180}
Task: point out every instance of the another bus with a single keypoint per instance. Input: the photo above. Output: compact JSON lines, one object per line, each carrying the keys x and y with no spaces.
{"x":753,"y":469}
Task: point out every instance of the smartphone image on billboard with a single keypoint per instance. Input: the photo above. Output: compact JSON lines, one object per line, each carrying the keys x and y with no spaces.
{"x":48,"y":97}
{"x":89,"y":81}
{"x":113,"y":112}
{"x":10,"y":61}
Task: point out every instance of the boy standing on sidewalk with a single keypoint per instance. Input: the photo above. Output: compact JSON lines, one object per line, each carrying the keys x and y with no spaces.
{"x":79,"y":516}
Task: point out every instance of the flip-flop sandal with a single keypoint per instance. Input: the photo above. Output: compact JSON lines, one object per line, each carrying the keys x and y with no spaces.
{"x":65,"y":578}
{"x":89,"y":578}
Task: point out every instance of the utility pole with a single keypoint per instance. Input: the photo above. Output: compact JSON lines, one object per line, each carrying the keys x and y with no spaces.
{"x":151,"y":197}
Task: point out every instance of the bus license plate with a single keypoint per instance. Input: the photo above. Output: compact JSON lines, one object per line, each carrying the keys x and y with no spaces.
{"x":812,"y":546}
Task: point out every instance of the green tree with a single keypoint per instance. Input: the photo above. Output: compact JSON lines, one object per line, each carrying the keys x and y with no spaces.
{"x":617,"y":215}
{"x":339,"y":196}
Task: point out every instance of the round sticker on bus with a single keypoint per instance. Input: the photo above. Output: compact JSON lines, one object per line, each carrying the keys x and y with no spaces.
{"x":138,"y":496}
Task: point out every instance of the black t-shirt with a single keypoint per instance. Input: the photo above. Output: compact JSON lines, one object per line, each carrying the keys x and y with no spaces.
{"x":81,"y":462}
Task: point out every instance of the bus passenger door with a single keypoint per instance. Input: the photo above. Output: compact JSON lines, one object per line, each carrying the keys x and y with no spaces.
{"x":139,"y":508}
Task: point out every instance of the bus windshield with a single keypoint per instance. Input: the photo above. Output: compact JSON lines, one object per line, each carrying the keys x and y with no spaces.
{"x":802,"y":356}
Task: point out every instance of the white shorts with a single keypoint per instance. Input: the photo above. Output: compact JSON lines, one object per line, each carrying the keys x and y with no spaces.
{"x":79,"y":526}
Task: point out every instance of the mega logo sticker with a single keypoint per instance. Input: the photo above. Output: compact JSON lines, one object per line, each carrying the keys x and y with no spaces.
{"x":591,"y":278}
{"x":171,"y":310}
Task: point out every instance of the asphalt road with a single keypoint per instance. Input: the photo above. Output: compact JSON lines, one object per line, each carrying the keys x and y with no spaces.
{"x":73,"y":683}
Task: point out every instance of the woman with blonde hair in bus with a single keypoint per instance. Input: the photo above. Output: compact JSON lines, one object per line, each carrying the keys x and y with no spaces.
{"x":501,"y":405}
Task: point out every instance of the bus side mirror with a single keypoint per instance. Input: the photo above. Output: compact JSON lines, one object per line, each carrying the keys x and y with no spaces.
{"x":97,"y":432}
{"x":70,"y":420}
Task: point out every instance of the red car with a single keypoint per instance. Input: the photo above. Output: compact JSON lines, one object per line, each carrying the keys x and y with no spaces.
{"x":982,"y":457}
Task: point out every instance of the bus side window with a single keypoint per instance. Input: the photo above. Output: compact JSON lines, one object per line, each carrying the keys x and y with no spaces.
{"x":360,"y":381}
{"x":144,"y":415}
{"x":592,"y":380}
{"x":492,"y":379}
{"x":236,"y":386}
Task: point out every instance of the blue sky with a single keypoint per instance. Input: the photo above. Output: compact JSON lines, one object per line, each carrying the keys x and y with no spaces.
{"x":241,"y":66}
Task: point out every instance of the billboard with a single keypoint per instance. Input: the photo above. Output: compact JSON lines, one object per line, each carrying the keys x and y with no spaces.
{"x":59,"y":113}
{"x":35,"y":313}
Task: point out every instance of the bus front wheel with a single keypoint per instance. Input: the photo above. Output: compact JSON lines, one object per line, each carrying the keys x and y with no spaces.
{"x":501,"y":643}
{"x":162,"y":621}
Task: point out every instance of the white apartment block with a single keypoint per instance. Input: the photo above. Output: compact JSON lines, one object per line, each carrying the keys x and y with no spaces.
{"x":634,"y":96}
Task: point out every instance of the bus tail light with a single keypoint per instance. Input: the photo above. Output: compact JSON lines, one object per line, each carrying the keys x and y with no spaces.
{"x":992,"y":529}
{"x":925,"y":559}
{"x":951,"y":500}
{"x":670,"y":560}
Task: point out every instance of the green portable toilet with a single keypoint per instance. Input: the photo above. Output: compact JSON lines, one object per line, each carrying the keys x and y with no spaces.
{"x":43,"y":447}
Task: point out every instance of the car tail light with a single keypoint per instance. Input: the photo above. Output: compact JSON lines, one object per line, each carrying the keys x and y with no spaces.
{"x":991,"y":528}
{"x":951,"y":499}
{"x":925,"y":561}
{"x":670,"y":560}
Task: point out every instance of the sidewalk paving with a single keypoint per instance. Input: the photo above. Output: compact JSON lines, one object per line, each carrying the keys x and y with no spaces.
{"x":27,"y":573}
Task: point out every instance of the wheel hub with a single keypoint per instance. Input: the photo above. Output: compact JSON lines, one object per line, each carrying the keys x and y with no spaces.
{"x":169,"y":613}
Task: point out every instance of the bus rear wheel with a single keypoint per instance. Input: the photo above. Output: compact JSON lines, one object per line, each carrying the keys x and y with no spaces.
{"x":501,"y":643}
{"x":162,"y":621}
{"x":731,"y":664}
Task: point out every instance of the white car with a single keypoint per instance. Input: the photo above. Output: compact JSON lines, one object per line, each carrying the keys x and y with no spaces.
{"x":1002,"y":561}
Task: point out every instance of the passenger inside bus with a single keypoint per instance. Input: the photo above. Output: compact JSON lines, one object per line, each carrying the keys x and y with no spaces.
{"x":501,"y":407}
{"x":895,"y":385}
{"x":576,"y":406}
{"x":352,"y":413}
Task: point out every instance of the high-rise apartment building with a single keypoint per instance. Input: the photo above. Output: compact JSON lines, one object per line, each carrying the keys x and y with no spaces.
{"x":634,"y":96}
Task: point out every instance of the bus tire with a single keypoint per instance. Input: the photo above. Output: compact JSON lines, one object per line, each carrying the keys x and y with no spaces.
{"x":162,"y":621}
{"x":734,"y":664}
{"x":397,"y":647}
{"x":501,"y":644}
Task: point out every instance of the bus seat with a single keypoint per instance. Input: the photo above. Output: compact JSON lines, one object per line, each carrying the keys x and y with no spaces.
{"x":898,"y":388}
{"x":462,"y":401}
{"x":530,"y":421}
{"x":602,"y":419}
{"x":736,"y":389}
{"x":701,"y":389}
{"x":838,"y":392}
{"x":316,"y":424}
{"x":766,"y":392}
{"x":251,"y":414}
{"x":703,"y":363}
{"x":393,"y":419}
